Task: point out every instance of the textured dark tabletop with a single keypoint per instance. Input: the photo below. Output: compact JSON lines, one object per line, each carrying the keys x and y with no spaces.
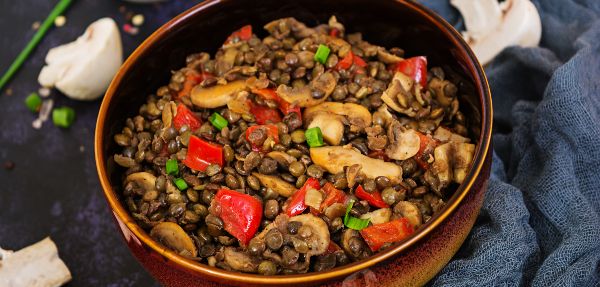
{"x":53,"y":189}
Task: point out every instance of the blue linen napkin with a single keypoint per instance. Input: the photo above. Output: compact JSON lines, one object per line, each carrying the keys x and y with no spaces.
{"x":540,"y":222}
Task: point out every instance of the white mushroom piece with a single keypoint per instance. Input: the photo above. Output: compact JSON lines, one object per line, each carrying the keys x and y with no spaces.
{"x":316,"y":92}
{"x":83,"y":69}
{"x":37,"y":265}
{"x":216,"y":96}
{"x":403,"y":143}
{"x":331,"y":117}
{"x":172,"y":236}
{"x":493,"y":26}
{"x":451,"y":163}
{"x":335,"y":158}
{"x":404,"y":95}
{"x":275,"y":183}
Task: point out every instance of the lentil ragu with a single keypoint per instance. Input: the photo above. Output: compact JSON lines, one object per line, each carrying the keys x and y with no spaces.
{"x":303,"y":151}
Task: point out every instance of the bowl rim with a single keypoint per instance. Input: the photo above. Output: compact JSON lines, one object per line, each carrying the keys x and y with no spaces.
{"x":482,"y":149}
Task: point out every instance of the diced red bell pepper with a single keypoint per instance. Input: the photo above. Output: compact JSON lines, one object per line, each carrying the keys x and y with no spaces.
{"x":271,"y":131}
{"x":427,"y":144}
{"x":192,"y":78}
{"x":186,"y":117}
{"x":334,"y":32}
{"x":296,"y":203}
{"x":332,"y":195}
{"x":284,"y":107}
{"x":264,"y":114}
{"x":393,"y":231}
{"x":358,"y":61}
{"x":350,"y":59}
{"x":415,"y":67}
{"x":243,"y":34}
{"x":201,"y":154}
{"x":373,"y":198}
{"x":241,"y":213}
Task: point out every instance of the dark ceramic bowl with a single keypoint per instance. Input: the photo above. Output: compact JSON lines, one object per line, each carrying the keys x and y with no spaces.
{"x":405,"y":24}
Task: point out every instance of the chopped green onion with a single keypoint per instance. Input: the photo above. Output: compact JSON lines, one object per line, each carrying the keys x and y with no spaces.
{"x":63,"y":117}
{"x":353,"y":222}
{"x":322,"y":54}
{"x":314,"y":137}
{"x":172,"y":167}
{"x":218,"y":121}
{"x":180,"y":183}
{"x":33,"y":102}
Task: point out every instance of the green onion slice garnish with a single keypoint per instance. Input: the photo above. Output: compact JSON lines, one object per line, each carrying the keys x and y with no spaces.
{"x":218,"y":121}
{"x":314,"y":137}
{"x":322,"y":54}
{"x":353,"y":222}
{"x":63,"y":117}
{"x":172,"y":167}
{"x":33,"y":102}
{"x":180,"y":183}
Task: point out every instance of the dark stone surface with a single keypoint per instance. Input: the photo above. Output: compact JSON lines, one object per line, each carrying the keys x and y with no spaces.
{"x":53,"y":189}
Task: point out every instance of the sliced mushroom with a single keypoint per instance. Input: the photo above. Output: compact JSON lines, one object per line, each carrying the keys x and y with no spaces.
{"x":441,"y":166}
{"x":239,"y":103}
{"x":354,"y":245}
{"x":313,"y":198}
{"x":410,"y":211}
{"x":319,"y":239}
{"x":172,"y":236}
{"x":168,"y":113}
{"x":443,"y":90}
{"x":463,"y":155}
{"x":240,"y":261}
{"x":335,"y":210}
{"x":384,"y":113}
{"x":83,"y":69}
{"x":384,"y":56}
{"x":445,"y":135}
{"x":335,"y":158}
{"x":351,"y":173}
{"x":404,"y":143}
{"x":143,"y":180}
{"x":275,"y":183}
{"x":282,"y":158}
{"x":493,"y":26}
{"x":216,"y":96}
{"x":378,"y":216}
{"x":354,"y":114}
{"x":325,"y":84}
{"x":398,"y":94}
{"x":331,"y":127}
{"x":280,"y":28}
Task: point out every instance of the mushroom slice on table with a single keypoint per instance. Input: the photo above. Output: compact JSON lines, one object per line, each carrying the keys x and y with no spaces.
{"x":335,"y":158}
{"x":83,"y":69}
{"x":216,"y":96}
{"x":493,"y":26}
{"x":322,"y":86}
{"x":174,"y":237}
{"x":37,"y":265}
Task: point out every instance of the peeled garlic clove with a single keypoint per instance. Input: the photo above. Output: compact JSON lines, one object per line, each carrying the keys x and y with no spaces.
{"x":83,"y":69}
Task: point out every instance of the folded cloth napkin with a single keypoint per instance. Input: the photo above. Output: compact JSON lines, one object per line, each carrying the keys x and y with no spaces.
{"x":540,"y":222}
